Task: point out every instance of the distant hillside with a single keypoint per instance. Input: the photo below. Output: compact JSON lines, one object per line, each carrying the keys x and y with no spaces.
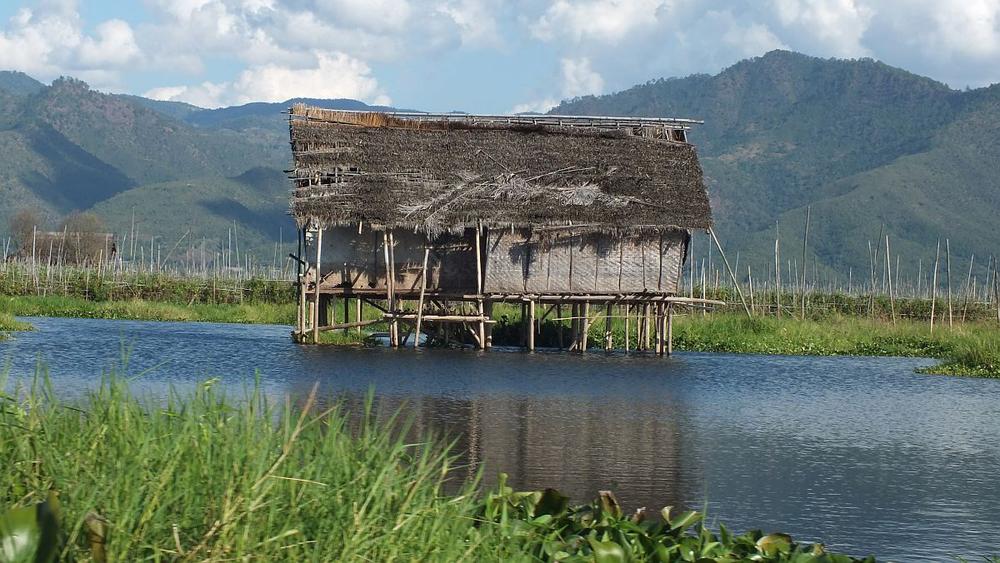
{"x":860,"y":142}
{"x":19,"y":84}
{"x":205,"y":210}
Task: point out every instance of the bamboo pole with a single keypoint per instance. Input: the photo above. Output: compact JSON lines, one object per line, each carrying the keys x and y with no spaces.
{"x":479,"y":285}
{"x":319,"y":279}
{"x":394,"y":323}
{"x":559,"y":327}
{"x":388,"y":284}
{"x":888,"y":265}
{"x":420,"y":303}
{"x":968,"y":286}
{"x":937,"y":261}
{"x":951,"y":321}
{"x":805,"y":243}
{"x":670,"y":329}
{"x":736,"y":284}
{"x":531,"y":325}
{"x":607,"y":327}
{"x":777,"y":267}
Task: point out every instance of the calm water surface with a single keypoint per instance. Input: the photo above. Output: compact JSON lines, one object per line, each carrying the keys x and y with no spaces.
{"x":860,"y":453}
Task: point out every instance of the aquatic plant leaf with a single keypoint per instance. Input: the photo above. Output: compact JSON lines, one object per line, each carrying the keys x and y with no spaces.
{"x":552,"y":503}
{"x":609,"y":504}
{"x":31,"y":533}
{"x":607,"y":552}
{"x":685,"y":520}
{"x":773,"y":544}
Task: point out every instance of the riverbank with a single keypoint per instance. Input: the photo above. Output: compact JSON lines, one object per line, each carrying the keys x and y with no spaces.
{"x":149,"y":310}
{"x":971,"y":348}
{"x":199,"y":476}
{"x":9,"y":324}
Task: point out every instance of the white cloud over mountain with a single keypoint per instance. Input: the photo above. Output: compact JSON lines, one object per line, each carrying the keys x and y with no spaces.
{"x":220,"y":52}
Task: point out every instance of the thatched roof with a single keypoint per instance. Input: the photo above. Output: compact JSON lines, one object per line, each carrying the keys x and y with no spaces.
{"x":444,"y":174}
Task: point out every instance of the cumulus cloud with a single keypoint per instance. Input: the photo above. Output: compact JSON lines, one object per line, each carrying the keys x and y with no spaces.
{"x":333,"y":76}
{"x":51,"y":41}
{"x":579,"y":79}
{"x":226,"y":51}
{"x":604,"y":20}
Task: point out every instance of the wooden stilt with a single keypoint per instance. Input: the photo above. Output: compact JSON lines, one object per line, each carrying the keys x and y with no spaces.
{"x":658,"y":329}
{"x":319,"y":282}
{"x":627,"y":312}
{"x":586,"y":326}
{"x":347,"y":312}
{"x":607,"y":328}
{"x":388,"y":286}
{"x":559,"y":326}
{"x":357,"y":312}
{"x":420,"y":304}
{"x":479,"y":286}
{"x":934,"y":283}
{"x":394,"y":298}
{"x":574,"y":326}
{"x":670,"y":329}
{"x":303,"y":281}
{"x":531,"y":326}
{"x":488,"y":315}
{"x":645,"y":326}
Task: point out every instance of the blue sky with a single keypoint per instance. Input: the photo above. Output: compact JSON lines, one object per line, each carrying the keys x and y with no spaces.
{"x":473,"y":55}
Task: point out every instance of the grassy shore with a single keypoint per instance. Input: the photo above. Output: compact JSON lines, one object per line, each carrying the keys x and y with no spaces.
{"x":971,"y":348}
{"x":198,"y":477}
{"x":9,"y":324}
{"x":145,"y":310}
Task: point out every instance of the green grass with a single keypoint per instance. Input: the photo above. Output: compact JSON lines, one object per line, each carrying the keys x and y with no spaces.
{"x":9,"y":324}
{"x":201,"y":477}
{"x":140,"y":309}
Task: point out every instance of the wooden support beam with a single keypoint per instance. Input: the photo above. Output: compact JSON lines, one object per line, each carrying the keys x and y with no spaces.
{"x":608,"y":339}
{"x":395,"y":298}
{"x":559,"y":326}
{"x":670,"y":329}
{"x":531,"y":326}
{"x":319,"y":279}
{"x":586,"y":326}
{"x":423,"y":289}
{"x":479,"y":285}
{"x":349,"y":325}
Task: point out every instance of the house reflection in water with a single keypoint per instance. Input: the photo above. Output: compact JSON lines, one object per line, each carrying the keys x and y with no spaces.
{"x":578,"y":445}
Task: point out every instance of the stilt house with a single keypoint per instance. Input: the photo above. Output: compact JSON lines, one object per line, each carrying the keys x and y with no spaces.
{"x":433,"y":218}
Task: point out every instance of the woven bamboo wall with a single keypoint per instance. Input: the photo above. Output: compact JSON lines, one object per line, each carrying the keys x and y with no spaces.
{"x":514,"y":261}
{"x":600,"y":263}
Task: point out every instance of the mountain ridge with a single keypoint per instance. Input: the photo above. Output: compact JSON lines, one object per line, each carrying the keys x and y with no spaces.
{"x":863,"y":145}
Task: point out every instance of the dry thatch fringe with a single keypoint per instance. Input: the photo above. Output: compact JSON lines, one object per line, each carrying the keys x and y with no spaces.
{"x":448,"y":179}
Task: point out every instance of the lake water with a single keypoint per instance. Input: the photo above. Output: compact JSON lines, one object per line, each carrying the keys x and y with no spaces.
{"x":861,"y":453}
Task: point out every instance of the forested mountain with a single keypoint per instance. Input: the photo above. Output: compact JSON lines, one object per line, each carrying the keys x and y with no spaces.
{"x":184,"y":170}
{"x":862,"y":144}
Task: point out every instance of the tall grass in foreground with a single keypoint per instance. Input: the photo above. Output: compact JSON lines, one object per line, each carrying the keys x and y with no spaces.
{"x":198,"y":477}
{"x":201,"y":477}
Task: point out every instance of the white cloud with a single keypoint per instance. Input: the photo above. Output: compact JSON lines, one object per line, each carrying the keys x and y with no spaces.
{"x":374,"y":15}
{"x":475,"y":19}
{"x":604,"y":20}
{"x":538,"y":106}
{"x":579,"y":79}
{"x":51,"y":41}
{"x":114,"y":46}
{"x":837,"y":26}
{"x":333,"y":76}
